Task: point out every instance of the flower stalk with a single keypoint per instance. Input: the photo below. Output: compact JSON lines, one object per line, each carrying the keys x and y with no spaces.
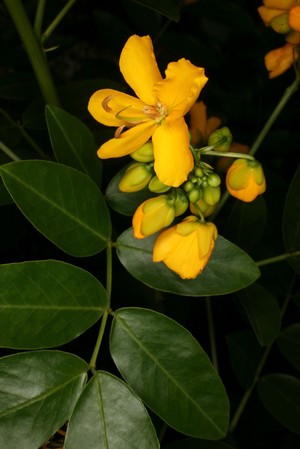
{"x":34,"y":50}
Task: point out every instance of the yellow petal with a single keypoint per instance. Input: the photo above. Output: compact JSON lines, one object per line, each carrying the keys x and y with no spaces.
{"x":105,"y":104}
{"x":281,"y":4}
{"x":129,"y":141}
{"x":181,"y":87}
{"x":294,"y":18}
{"x":173,"y":159}
{"x":139,"y":67}
{"x":279,"y":60}
{"x":267,"y":14}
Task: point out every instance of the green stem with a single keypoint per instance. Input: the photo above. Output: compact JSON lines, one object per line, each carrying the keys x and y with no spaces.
{"x":24,"y":134}
{"x":282,"y":102}
{"x":38,"y":21}
{"x":9,"y":152}
{"x":230,"y":154}
{"x":57,"y":20}
{"x":34,"y":50}
{"x":211,"y":332}
{"x":279,"y":258}
{"x":244,"y":401}
{"x":93,"y":360}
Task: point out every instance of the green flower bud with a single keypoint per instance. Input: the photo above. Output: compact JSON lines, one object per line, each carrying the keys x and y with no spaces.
{"x":136,"y":177}
{"x":205,"y":208}
{"x":198,"y":172}
{"x":214,"y":180}
{"x":156,"y":186}
{"x":143,"y":154}
{"x":280,"y":24}
{"x":211,"y":195}
{"x":188,"y":186}
{"x":221,"y":139}
{"x":181,"y":203}
{"x":194,"y":195}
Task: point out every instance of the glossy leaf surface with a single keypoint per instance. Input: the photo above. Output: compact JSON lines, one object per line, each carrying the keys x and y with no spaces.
{"x":73,"y":143}
{"x":62,"y":203}
{"x":109,"y":415}
{"x":280,"y":394}
{"x":289,"y":344}
{"x":38,"y":393}
{"x":47,"y":303}
{"x":229,"y":268}
{"x":263,"y":312}
{"x":171,"y":373}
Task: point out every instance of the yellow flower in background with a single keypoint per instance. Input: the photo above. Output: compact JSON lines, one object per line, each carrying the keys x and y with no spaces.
{"x":157,"y":113}
{"x":186,"y":247}
{"x":245,"y":180}
{"x":153,"y":215}
{"x":284,"y":17}
{"x":201,"y":127}
{"x":281,"y":59}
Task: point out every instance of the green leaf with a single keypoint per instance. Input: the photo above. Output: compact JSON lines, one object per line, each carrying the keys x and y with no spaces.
{"x":109,"y":415}
{"x":280,"y":394}
{"x":62,"y":203}
{"x":47,"y":303}
{"x":291,"y":220}
{"x":38,"y":393}
{"x":263,"y":312}
{"x":229,"y":268}
{"x":73,"y":143}
{"x":245,"y":354}
{"x":167,"y":8}
{"x":289,"y":344}
{"x":171,"y":373}
{"x":123,"y":202}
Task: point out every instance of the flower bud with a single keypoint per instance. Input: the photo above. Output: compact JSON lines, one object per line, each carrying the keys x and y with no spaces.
{"x":188,"y":186}
{"x":205,"y":209}
{"x":194,"y":195}
{"x":153,"y":215}
{"x":221,"y":139}
{"x":144,"y":154}
{"x":245,"y":179}
{"x":294,"y":18}
{"x":156,"y":186}
{"x":213,"y":180}
{"x":280,"y":23}
{"x":186,"y":247}
{"x":211,"y":195}
{"x":181,"y":203}
{"x":135,"y":178}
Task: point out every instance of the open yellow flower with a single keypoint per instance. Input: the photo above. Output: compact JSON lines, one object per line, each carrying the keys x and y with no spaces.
{"x":186,"y":247}
{"x":245,"y":180}
{"x":157,"y":113}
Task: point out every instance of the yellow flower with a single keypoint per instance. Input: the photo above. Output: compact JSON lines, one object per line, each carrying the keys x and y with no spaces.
{"x":152,"y":216}
{"x":200,"y":126}
{"x":245,"y":179}
{"x":281,"y":59}
{"x":157,"y":112}
{"x":186,"y":247}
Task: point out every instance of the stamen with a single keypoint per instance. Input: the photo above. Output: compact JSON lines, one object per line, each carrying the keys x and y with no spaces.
{"x":157,"y":113}
{"x":105,"y":103}
{"x":119,"y":131}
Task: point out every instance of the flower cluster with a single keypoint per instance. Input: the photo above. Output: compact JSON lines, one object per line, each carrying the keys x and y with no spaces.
{"x":283,"y":16}
{"x":153,"y":131}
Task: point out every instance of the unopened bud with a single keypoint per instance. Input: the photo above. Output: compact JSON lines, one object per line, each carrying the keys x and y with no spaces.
{"x":194,"y":195}
{"x":214,"y":180}
{"x":221,"y":139}
{"x":211,"y":195}
{"x":206,"y":209}
{"x":136,"y":177}
{"x":144,"y":154}
{"x":181,"y":202}
{"x":280,"y":24}
{"x":156,"y":186}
